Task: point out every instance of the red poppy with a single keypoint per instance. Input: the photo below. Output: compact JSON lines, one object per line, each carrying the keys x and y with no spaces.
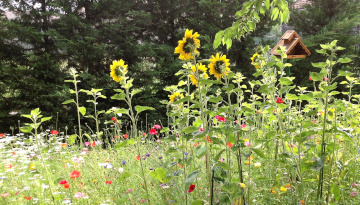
{"x":153,"y":131}
{"x":310,"y":78}
{"x":66,"y":186}
{"x":28,"y":197}
{"x":125,"y":136}
{"x":279,"y":100}
{"x":191,"y":188}
{"x":1,"y":135}
{"x":220,"y":119}
{"x":138,"y":157}
{"x":54,"y":132}
{"x":196,"y":144}
{"x":108,"y":182}
{"x":63,"y":182}
{"x":74,"y":174}
{"x":228,"y":144}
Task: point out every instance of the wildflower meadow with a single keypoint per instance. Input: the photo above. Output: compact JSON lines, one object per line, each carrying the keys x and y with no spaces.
{"x":227,"y":140}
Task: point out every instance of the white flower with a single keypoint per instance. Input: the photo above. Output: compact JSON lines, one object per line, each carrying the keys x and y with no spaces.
{"x":121,"y":169}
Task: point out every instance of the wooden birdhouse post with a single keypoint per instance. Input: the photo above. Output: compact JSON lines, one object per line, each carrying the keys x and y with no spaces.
{"x":294,"y":47}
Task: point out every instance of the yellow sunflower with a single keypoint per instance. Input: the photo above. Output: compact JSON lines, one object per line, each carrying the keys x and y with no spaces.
{"x":188,"y":46}
{"x":254,"y":61}
{"x":176,"y":96}
{"x":219,"y":65}
{"x":118,"y":70}
{"x":201,"y":71}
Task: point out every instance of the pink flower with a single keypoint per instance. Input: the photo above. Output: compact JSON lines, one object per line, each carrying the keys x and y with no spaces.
{"x":354,"y":184}
{"x":243,"y":126}
{"x":87,"y":143}
{"x":125,"y":136}
{"x":5,"y":195}
{"x":153,"y":131}
{"x":63,"y":182}
{"x":221,"y":159}
{"x":354,"y":193}
{"x":79,"y":195}
{"x":128,"y":191}
{"x":157,"y":126}
{"x":143,"y":200}
{"x":247,"y":144}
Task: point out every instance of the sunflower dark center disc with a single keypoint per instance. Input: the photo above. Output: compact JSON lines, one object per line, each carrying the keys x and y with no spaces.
{"x":188,"y":44}
{"x":118,"y":71}
{"x":218,"y":66}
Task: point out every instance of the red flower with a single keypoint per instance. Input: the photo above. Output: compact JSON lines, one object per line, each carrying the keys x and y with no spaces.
{"x":327,"y":79}
{"x":125,"y":136}
{"x":138,"y":157}
{"x":153,"y":131}
{"x":208,"y":139}
{"x":202,"y":129}
{"x":108,"y":182}
{"x":278,"y":100}
{"x":243,"y":126}
{"x":1,"y":135}
{"x":54,"y":132}
{"x":144,"y":134}
{"x":28,"y":197}
{"x":179,"y":165}
{"x":66,"y":186}
{"x":63,"y":182}
{"x":220,"y":119}
{"x":74,"y":174}
{"x":191,"y":188}
{"x":93,"y":144}
{"x":310,"y":78}
{"x":228,"y":144}
{"x":196,"y":144}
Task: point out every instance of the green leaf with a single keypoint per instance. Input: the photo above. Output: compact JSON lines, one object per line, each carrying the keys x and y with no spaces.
{"x":319,"y":65}
{"x":290,"y":96}
{"x":140,"y":109}
{"x":317,"y":76}
{"x":125,"y":143}
{"x":285,"y":81}
{"x":198,"y":202}
{"x":119,"y":96}
{"x":259,"y":152}
{"x":190,"y":129}
{"x":185,"y":99}
{"x":159,"y":174}
{"x":191,"y":178}
{"x":263,"y":89}
{"x":124,"y":176}
{"x":45,"y":119}
{"x":129,"y":84}
{"x":274,"y":14}
{"x":82,"y":110}
{"x":35,"y":112}
{"x":26,"y":129}
{"x":135,"y":91}
{"x":72,"y":139}
{"x":218,"y":38}
{"x":335,"y":190}
{"x":68,"y":101}
{"x":164,"y":129}
{"x":45,"y":150}
{"x":27,"y":116}
{"x":308,"y":97}
{"x":28,"y":141}
{"x":228,"y":43}
{"x":344,"y":60}
{"x":200,"y":151}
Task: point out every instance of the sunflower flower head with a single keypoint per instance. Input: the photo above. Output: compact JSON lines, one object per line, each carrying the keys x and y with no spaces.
{"x":118,"y":70}
{"x":255,"y":61}
{"x":188,"y":45}
{"x":176,"y":96}
{"x":219,"y":66}
{"x":201,"y":73}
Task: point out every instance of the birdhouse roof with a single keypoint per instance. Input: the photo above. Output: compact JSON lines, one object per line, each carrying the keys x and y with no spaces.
{"x":294,"y":47}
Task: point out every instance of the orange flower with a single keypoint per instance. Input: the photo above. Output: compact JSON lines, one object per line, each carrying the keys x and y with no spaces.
{"x":287,"y":185}
{"x":228,"y":144}
{"x":66,"y":186}
{"x":196,"y":144}
{"x":9,"y":166}
{"x":28,"y":197}
{"x":302,"y":202}
{"x":138,"y":157}
{"x":179,"y":165}
{"x":64,"y":145}
{"x":74,"y":174}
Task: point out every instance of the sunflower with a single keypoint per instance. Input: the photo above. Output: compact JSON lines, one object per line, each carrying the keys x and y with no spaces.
{"x":118,"y":70}
{"x":254,"y":61}
{"x":219,"y":65}
{"x":176,"y":96}
{"x":201,"y":72}
{"x":188,"y":46}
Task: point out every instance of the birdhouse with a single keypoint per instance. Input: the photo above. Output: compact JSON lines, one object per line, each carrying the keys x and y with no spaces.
{"x":294,"y":47}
